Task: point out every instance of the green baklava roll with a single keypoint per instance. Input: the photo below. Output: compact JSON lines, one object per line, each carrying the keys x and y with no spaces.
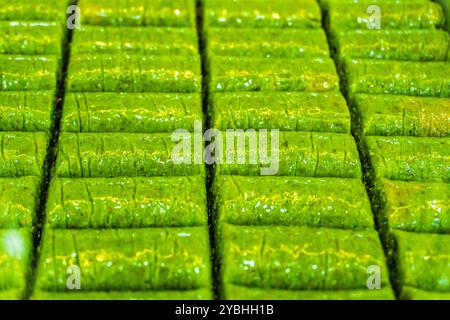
{"x":318,"y":202}
{"x":408,"y":158}
{"x":28,"y":73}
{"x":126,"y":259}
{"x":134,"y":73}
{"x":262,"y":14}
{"x":229,"y":74}
{"x":135,"y":40}
{"x":23,"y":153}
{"x":304,"y":154}
{"x":419,"y":45}
{"x":127,"y":202}
{"x":392,"y":15}
{"x":34,"y":10}
{"x":108,"y":155}
{"x":26,"y":110}
{"x":18,"y":201}
{"x":414,"y":206}
{"x":234,"y":292}
{"x":23,"y":37}
{"x":395,"y":115}
{"x":15,"y":249}
{"x":287,"y":111}
{"x":429,"y":79}
{"x":423,"y":261}
{"x":173,"y":13}
{"x":131,"y":112}
{"x":300,"y":258}
{"x":265,"y":43}
{"x":194,"y":294}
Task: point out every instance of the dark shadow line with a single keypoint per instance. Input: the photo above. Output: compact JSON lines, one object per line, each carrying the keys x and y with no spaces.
{"x":49,"y":162}
{"x":207,"y":124}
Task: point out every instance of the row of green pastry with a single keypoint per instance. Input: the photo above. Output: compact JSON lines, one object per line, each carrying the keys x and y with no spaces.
{"x":164,"y":112}
{"x":34,"y":10}
{"x":398,"y":88}
{"x":307,"y":232}
{"x":135,"y":60}
{"x":21,"y":168}
{"x":125,"y":73}
{"x":91,"y":155}
{"x":411,"y":191}
{"x":181,"y":13}
{"x":30,"y":52}
{"x":122,"y":215}
{"x":269,"y":67}
{"x":31,"y":38}
{"x":285,"y":14}
{"x":386,"y":29}
{"x":132,"y":234}
{"x":138,"y":263}
{"x":158,"y":58}
{"x":30,"y":56}
{"x":263,"y":74}
{"x":133,"y":79}
{"x":395,"y":74}
{"x":394,"y":14}
{"x":176,"y":13}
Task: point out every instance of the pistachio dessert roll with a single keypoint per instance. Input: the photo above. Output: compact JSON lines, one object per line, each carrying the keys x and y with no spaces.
{"x":174,"y":13}
{"x":394,"y":14}
{"x":262,"y":14}
{"x":19,"y":198}
{"x":31,"y":37}
{"x":28,"y":73}
{"x":131,"y":112}
{"x":287,"y":111}
{"x":414,"y":206}
{"x":408,"y":45}
{"x":34,"y":10}
{"x":423,"y":265}
{"x":126,"y":259}
{"x":396,"y":115}
{"x":408,"y":158}
{"x":110,"y":155}
{"x":292,"y":201}
{"x":135,"y":40}
{"x":279,"y":43}
{"x":23,"y":153}
{"x":230,"y":74}
{"x":300,"y":258}
{"x":134,"y":73}
{"x":426,"y":79}
{"x":304,"y":154}
{"x":30,"y":111}
{"x":127,"y":202}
